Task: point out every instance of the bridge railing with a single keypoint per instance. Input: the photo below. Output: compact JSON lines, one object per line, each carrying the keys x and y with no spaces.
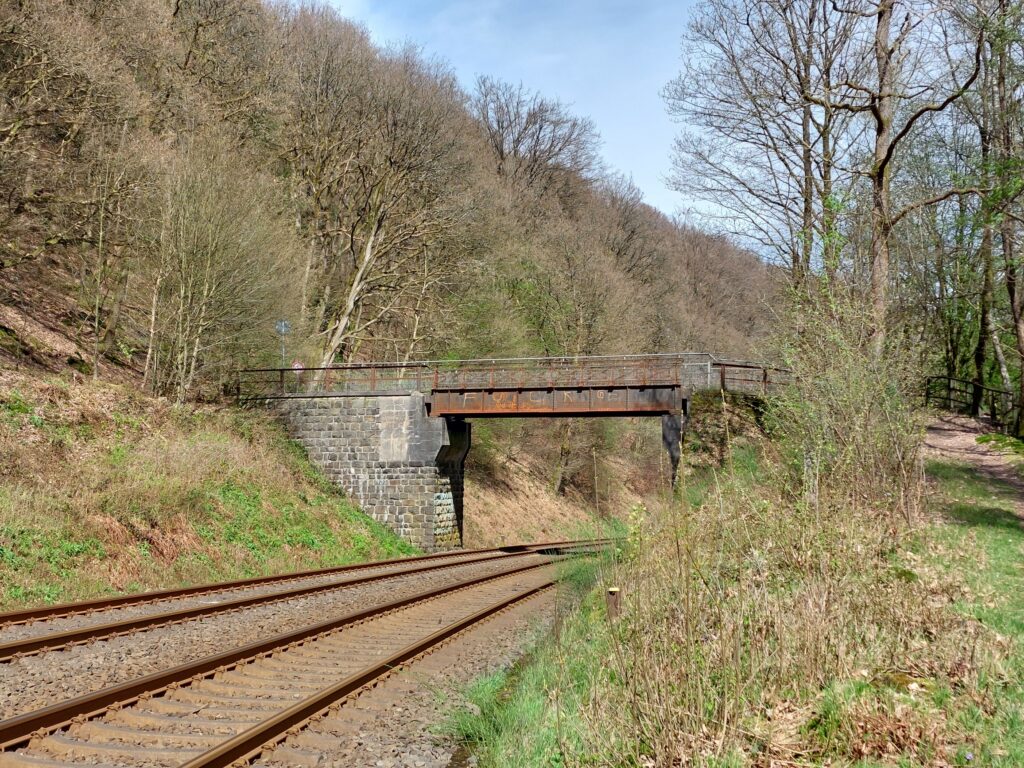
{"x":694,"y":370}
{"x":963,"y":396}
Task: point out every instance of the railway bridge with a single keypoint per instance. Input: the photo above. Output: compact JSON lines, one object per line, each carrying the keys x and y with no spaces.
{"x":395,"y":435}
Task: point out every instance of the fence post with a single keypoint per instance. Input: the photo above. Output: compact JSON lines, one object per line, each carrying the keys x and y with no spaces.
{"x":613,"y":603}
{"x":280,"y":385}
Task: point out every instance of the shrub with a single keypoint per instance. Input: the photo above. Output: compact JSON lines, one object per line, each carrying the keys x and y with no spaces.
{"x":849,"y":436}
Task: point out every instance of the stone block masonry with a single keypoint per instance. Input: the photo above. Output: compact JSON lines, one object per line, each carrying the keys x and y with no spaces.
{"x":404,"y":468}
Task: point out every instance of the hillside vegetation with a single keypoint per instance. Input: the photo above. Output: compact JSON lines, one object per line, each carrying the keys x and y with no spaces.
{"x":179,"y":176}
{"x":104,"y":489}
{"x":188,"y":173}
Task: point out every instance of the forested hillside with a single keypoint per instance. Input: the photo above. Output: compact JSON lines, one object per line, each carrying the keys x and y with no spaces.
{"x":179,"y":175}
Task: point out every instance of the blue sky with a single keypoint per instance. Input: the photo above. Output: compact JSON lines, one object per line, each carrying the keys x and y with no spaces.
{"x":608,"y":59}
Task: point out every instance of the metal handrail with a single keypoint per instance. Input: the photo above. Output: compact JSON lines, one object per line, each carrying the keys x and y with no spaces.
{"x":661,"y":369}
{"x":516,"y":361}
{"x":970,"y":383}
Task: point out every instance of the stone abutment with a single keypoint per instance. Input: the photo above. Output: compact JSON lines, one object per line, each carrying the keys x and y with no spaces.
{"x":403,"y":467}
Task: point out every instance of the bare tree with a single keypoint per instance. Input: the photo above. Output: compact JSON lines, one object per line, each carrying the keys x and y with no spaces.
{"x":536,"y":142}
{"x":375,"y":142}
{"x":1004,"y":94}
{"x":629,"y":229}
{"x":116,"y":186}
{"x":765,"y":161}
{"x":223,"y":268}
{"x":905,"y":74}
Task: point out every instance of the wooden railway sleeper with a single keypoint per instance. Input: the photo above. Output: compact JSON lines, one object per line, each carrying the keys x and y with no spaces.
{"x":254,"y":741}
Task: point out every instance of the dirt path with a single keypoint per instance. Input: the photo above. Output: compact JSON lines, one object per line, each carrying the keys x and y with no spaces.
{"x":956,"y":438}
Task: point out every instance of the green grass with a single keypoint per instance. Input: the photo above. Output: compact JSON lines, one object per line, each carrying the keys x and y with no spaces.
{"x":242,"y":533}
{"x":979,"y":543}
{"x":112,"y":492}
{"x":529,"y":715}
{"x":38,"y":563}
{"x":984,"y":524}
{"x":1004,"y":443}
{"x":241,"y":518}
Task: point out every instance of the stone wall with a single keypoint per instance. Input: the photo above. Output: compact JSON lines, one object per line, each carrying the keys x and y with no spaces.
{"x":404,"y":468}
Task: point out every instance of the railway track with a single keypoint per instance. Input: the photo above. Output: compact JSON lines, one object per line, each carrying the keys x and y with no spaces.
{"x":33,"y":629}
{"x":85,"y":607}
{"x":258,"y":699}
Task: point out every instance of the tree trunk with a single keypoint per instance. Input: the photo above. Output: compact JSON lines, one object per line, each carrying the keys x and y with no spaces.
{"x":564,"y":454}
{"x":1004,"y":112}
{"x":829,"y":236}
{"x":113,"y":321}
{"x":881,"y":224}
{"x":801,"y":269}
{"x":149,"y":370}
{"x":984,"y":319}
{"x":340,"y":330}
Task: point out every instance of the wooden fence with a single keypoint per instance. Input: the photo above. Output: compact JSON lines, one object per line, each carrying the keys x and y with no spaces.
{"x":963,"y":396}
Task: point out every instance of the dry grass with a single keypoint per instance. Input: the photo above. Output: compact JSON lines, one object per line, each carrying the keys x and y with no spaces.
{"x":102,"y":488}
{"x":742,"y":614}
{"x":788,"y":609}
{"x":509,"y":492}
{"x":753,"y":633}
{"x":774,"y":615}
{"x":514,"y":502}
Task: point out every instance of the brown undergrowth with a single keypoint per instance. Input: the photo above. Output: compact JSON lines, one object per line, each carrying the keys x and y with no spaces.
{"x":509,"y":493}
{"x":776,"y":614}
{"x":756,"y":631}
{"x":788,"y":608}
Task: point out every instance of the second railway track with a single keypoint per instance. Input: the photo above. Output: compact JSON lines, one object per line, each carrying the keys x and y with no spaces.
{"x":45,"y":641}
{"x":55,"y":627}
{"x":255,"y":699}
{"x":28,"y":682}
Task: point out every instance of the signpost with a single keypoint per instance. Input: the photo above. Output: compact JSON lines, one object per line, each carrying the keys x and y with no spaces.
{"x":283,"y":328}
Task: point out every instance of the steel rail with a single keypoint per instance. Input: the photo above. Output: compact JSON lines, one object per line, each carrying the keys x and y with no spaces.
{"x":24,"y":615}
{"x":58,"y":640}
{"x":251,"y":742}
{"x":19,"y":730}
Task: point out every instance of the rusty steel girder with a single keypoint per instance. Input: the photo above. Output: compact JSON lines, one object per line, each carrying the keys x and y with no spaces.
{"x":576,"y":401}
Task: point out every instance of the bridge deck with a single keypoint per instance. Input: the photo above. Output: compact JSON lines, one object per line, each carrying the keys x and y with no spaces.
{"x":560,"y":386}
